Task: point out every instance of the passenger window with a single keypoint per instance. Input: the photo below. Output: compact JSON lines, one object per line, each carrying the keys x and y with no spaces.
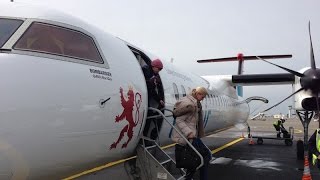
{"x":176,"y":92}
{"x":46,"y":38}
{"x":189,"y":90}
{"x":183,"y":91}
{"x":7,"y":28}
{"x":208,"y":97}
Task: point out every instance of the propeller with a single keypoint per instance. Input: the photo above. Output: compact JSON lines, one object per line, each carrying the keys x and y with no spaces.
{"x":312,"y":61}
{"x":309,"y":80}
{"x":284,"y":68}
{"x":282,"y":100}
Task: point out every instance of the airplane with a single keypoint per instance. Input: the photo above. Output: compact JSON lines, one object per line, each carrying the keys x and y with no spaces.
{"x":74,"y":97}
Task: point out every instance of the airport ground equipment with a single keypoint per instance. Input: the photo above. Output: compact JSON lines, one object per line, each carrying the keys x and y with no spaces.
{"x":153,"y":163}
{"x":287,"y":138}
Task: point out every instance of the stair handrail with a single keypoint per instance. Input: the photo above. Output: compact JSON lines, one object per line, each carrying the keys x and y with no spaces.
{"x":178,"y":131}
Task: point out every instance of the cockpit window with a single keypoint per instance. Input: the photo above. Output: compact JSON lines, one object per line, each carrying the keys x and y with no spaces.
{"x":51,"y":39}
{"x":7,"y":28}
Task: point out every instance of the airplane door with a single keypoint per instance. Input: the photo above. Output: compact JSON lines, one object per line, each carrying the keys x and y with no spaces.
{"x":153,"y":126}
{"x":128,"y":108}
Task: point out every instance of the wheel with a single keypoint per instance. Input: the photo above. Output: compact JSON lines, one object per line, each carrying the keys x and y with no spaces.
{"x":300,"y":150}
{"x":288,"y":142}
{"x":260,"y":141}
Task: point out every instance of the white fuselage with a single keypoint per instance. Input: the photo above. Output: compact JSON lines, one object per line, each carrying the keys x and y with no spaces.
{"x":58,"y":113}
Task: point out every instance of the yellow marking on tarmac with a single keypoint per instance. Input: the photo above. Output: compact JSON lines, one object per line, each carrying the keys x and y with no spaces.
{"x":168,"y":146}
{"x":124,"y":160}
{"x":298,"y":131}
{"x":99,"y":168}
{"x":108,"y":165}
{"x":226,"y":145}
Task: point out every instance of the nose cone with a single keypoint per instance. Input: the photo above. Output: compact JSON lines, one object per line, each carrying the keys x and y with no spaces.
{"x":311,"y":80}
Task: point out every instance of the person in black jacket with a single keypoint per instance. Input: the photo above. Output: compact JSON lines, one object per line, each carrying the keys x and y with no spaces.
{"x":155,"y":93}
{"x":154,"y":84}
{"x":313,"y":147}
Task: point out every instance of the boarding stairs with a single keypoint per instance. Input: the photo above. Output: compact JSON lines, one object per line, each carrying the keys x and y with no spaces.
{"x":154,"y":163}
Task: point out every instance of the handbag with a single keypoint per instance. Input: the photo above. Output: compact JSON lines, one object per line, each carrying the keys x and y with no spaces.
{"x":186,"y":157}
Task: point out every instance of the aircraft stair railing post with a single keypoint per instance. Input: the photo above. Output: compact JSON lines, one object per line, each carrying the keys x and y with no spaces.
{"x":180,"y":133}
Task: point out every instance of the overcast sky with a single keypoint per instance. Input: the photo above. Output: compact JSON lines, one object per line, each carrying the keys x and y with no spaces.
{"x":187,"y":30}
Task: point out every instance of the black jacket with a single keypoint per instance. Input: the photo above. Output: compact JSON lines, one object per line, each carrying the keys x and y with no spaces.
{"x":155,"y":90}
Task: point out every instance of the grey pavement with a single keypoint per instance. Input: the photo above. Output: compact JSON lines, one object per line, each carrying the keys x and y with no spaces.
{"x":241,"y":161}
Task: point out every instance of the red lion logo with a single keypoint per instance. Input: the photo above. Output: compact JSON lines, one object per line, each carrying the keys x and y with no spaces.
{"x":126,"y":114}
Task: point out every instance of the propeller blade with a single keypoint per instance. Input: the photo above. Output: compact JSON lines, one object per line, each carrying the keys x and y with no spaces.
{"x":313,"y":63}
{"x":236,"y":58}
{"x":282,"y":100}
{"x":284,"y":68}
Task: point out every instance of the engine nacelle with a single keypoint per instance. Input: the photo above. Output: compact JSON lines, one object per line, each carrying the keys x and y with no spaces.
{"x":303,"y":100}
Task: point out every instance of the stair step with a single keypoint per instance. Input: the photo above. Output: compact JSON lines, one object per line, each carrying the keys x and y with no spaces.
{"x":165,"y":161}
{"x":162,"y":159}
{"x":158,"y":154}
{"x":170,"y":166}
{"x":149,"y":147}
{"x":181,"y":178}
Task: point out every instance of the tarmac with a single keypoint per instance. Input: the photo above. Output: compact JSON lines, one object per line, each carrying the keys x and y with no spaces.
{"x":236,"y":159}
{"x":271,"y":160}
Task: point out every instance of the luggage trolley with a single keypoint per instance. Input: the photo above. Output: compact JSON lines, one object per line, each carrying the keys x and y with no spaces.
{"x":287,"y":137}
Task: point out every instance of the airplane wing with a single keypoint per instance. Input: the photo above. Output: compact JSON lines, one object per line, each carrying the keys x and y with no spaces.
{"x":263,"y":79}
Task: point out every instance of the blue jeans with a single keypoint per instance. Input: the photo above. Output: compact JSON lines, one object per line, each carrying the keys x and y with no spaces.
{"x":204,"y":172}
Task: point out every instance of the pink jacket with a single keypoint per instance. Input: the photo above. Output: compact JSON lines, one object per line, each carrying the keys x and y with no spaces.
{"x":187,"y":120}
